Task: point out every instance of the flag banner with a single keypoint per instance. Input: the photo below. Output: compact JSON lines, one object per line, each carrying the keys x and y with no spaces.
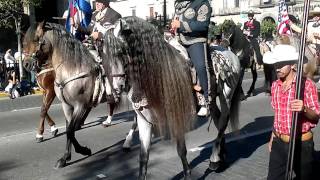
{"x":80,"y":11}
{"x":283,"y":19}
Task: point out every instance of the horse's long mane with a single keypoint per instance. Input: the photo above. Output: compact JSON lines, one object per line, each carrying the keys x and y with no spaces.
{"x":157,"y":71}
{"x":72,"y":52}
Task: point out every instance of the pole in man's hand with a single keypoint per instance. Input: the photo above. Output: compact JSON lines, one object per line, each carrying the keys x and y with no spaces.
{"x":298,"y":95}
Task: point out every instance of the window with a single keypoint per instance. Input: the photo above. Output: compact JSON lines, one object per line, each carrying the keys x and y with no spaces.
{"x":133,"y":12}
{"x":237,"y":3}
{"x":151,"y":11}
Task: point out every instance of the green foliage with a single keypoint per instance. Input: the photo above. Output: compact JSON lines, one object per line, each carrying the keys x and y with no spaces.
{"x":214,"y":30}
{"x":268,"y":28}
{"x":11,"y":10}
{"x":227,"y":25}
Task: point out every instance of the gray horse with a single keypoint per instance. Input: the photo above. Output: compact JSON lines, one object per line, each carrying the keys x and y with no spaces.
{"x":162,"y":90}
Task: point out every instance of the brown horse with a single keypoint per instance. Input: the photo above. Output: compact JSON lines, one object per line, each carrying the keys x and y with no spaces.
{"x":45,"y":80}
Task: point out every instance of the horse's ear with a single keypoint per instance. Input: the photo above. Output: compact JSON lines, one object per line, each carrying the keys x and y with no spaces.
{"x":40,"y":29}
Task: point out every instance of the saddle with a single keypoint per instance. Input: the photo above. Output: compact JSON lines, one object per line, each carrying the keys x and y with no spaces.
{"x":218,"y":68}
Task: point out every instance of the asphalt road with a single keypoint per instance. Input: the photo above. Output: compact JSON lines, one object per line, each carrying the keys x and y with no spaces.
{"x":22,"y":158}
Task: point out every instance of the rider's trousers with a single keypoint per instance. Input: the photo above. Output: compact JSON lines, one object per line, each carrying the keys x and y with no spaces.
{"x":255,"y":45}
{"x":199,"y":57}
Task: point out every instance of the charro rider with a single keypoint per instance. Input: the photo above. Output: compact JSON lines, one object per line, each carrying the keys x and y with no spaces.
{"x":192,"y":23}
{"x":251,"y":29}
{"x":102,"y":19}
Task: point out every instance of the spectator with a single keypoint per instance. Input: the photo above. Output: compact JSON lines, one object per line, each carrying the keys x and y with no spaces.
{"x":284,"y":104}
{"x":10,"y":61}
{"x":13,"y":86}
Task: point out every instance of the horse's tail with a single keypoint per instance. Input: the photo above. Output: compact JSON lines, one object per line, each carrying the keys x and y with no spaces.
{"x":234,"y":109}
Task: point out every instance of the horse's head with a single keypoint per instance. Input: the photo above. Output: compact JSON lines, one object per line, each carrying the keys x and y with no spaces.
{"x":228,"y":29}
{"x":36,"y":47}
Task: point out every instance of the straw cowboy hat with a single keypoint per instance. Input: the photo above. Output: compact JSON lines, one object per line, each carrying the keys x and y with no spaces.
{"x":315,"y":12}
{"x":281,"y":53}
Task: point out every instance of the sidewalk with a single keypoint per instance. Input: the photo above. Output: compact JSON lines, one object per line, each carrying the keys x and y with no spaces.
{"x":28,"y":101}
{"x":5,"y":95}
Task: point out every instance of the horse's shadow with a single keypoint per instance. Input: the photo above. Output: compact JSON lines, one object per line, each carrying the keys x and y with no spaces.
{"x":316,"y":166}
{"x":128,"y":116}
{"x":242,"y":148}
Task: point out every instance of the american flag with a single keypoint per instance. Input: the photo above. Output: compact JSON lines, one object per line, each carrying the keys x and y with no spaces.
{"x":80,"y":11}
{"x":283,"y":18}
{"x":282,"y":8}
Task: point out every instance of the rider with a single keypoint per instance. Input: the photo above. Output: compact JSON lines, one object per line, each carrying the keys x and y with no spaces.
{"x":192,"y":23}
{"x":102,"y":19}
{"x":252,"y":30}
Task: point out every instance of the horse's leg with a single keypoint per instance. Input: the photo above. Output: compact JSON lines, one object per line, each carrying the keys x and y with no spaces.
{"x":68,"y":111}
{"x":182,"y":152}
{"x":242,"y":95}
{"x":79,"y":116}
{"x":254,"y":78}
{"x":39,"y":135}
{"x":145,"y":130}
{"x":50,"y":95}
{"x":127,"y":143}
{"x":107,"y":122}
{"x":217,"y":157}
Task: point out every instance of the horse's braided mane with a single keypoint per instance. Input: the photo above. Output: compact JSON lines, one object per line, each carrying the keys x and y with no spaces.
{"x":161,"y":74}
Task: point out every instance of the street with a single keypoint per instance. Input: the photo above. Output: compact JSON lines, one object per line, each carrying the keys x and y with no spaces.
{"x":23,"y":159}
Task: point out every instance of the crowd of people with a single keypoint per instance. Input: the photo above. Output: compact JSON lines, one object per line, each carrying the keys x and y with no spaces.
{"x":9,"y":79}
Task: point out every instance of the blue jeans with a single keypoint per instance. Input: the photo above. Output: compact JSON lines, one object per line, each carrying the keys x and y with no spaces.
{"x":198,"y":56}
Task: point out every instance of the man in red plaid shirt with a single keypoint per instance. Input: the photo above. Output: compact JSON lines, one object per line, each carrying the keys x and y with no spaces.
{"x":283,"y":101}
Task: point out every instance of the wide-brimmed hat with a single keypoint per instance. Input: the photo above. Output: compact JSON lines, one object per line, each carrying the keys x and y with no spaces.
{"x":250,"y":13}
{"x":315,"y":11}
{"x":282,"y":53}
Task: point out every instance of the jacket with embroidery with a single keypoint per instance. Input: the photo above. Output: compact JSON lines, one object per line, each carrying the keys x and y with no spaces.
{"x":253,"y":27}
{"x":194,"y":17}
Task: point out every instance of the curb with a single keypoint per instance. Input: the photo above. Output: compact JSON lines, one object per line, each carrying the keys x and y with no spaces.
{"x":37,"y":92}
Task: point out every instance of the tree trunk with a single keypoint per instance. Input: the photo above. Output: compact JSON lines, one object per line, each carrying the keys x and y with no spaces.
{"x":18,"y":31}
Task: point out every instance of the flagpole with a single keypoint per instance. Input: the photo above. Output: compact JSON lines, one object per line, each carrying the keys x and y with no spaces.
{"x":298,"y":95}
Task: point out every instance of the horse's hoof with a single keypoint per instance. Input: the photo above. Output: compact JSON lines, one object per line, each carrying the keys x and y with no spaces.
{"x":215,"y":166}
{"x":243,"y":97}
{"x":106,"y":125}
{"x":126,"y":149}
{"x":60,"y":164}
{"x":39,"y":139}
{"x":187,"y":175}
{"x":84,"y":151}
{"x":54,"y":133}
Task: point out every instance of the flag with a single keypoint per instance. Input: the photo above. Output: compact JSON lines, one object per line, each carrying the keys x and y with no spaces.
{"x":80,"y":11}
{"x":283,"y":19}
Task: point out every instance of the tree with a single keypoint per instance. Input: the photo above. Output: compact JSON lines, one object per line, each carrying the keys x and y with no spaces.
{"x":268,"y":28}
{"x":11,"y":13}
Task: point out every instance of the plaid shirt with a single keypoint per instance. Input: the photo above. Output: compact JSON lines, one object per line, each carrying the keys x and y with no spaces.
{"x":280,"y":102}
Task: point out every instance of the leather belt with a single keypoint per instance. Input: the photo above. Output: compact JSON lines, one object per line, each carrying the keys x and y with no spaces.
{"x":286,"y":138}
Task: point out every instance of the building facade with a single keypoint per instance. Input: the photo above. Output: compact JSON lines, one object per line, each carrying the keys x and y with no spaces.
{"x":264,"y":9}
